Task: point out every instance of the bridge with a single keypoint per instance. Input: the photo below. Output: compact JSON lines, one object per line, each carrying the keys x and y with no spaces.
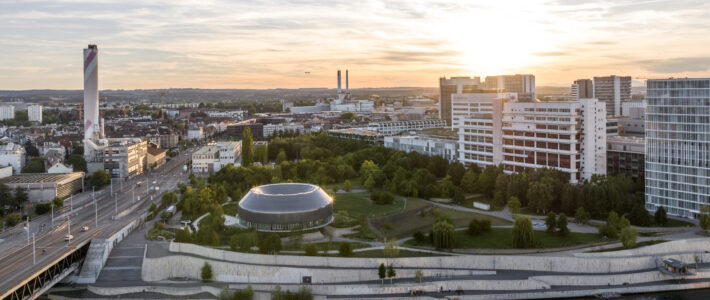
{"x":28,"y":268}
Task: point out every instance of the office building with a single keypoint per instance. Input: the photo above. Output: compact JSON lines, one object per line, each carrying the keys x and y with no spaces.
{"x":7,"y":112}
{"x":427,"y":145}
{"x":215,"y":156}
{"x":522,"y":84}
{"x":396,"y":127}
{"x":125,"y":157}
{"x":12,"y":154}
{"x":273,"y":129}
{"x":612,"y":90}
{"x":497,"y":129}
{"x":582,"y":89}
{"x":678,"y":145}
{"x":237,"y":130}
{"x":625,"y":156}
{"x":635,"y":109}
{"x":451,"y":86}
{"x":34,"y":113}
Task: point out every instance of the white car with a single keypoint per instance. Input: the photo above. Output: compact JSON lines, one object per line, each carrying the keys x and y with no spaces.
{"x":68,"y":237}
{"x":84,"y":228}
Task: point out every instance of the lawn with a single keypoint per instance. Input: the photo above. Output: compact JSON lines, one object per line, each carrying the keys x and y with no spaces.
{"x":359,"y":205}
{"x":408,"y":225}
{"x":501,"y":238}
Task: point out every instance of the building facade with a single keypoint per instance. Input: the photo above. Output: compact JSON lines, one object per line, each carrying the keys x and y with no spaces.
{"x":215,"y":156}
{"x":522,"y":84}
{"x":34,"y":113}
{"x":582,"y":89}
{"x":7,"y":112}
{"x":13,"y":155}
{"x":612,"y":90}
{"x":270,"y":129}
{"x":625,"y":156}
{"x":396,"y":127}
{"x":451,"y":86}
{"x":125,"y":157}
{"x":678,"y":145}
{"x":45,"y":187}
{"x":446,"y":148}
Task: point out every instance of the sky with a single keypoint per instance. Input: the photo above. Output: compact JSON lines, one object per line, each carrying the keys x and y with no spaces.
{"x":302,"y":43}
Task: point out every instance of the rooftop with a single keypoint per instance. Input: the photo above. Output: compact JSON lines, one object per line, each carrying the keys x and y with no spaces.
{"x":41,"y":178}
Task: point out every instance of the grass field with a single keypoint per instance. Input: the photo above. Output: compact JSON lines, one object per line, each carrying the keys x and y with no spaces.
{"x":502,"y":238}
{"x":359,"y":205}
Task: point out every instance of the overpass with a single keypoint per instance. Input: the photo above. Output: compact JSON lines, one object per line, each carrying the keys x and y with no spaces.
{"x":29,"y":269}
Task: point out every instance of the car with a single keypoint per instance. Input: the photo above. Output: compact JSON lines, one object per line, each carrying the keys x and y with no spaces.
{"x":68,"y":237}
{"x":84,"y":228}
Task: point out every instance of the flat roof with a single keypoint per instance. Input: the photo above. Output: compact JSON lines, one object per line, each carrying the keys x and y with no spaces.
{"x":40,"y":178}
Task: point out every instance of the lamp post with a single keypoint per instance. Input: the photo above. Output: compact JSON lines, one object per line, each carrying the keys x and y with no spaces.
{"x":34,"y":255}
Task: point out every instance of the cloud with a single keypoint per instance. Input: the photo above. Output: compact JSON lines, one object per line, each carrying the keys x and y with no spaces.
{"x":677,"y":65}
{"x":552,"y":53}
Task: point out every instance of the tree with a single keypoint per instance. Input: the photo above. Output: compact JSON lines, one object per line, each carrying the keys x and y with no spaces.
{"x":30,"y":149}
{"x":310,"y":249}
{"x":391,"y":249}
{"x":168,"y":198}
{"x":540,"y":195}
{"x":639,"y":216}
{"x":456,"y":171}
{"x":514,"y":205}
{"x":704,"y":217}
{"x":244,"y":294}
{"x":382,"y":197}
{"x":562,"y":225}
{"x":447,"y":187}
{"x":391,"y":273}
{"x":551,"y":222}
{"x":58,"y":202}
{"x":660,"y":216}
{"x":34,"y":165}
{"x":369,"y":183}
{"x":261,"y":154}
{"x":100,"y":179}
{"x":271,"y":243}
{"x":247,"y":147}
{"x":347,"y":186}
{"x":443,"y":233}
{"x":419,"y":275}
{"x":469,"y":181}
{"x":20,"y":195}
{"x":382,"y":272}
{"x":206,"y":274}
{"x":6,"y":197}
{"x":478,"y":226}
{"x":581,"y":216}
{"x":345,"y":249}
{"x":628,"y":237}
{"x":522,"y":233}
{"x":182,"y":235}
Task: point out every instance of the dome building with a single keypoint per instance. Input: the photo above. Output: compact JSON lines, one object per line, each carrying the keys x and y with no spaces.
{"x":284,"y":207}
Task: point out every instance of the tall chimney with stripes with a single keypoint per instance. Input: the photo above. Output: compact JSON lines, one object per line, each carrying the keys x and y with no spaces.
{"x":91,"y":95}
{"x":338,"y":83}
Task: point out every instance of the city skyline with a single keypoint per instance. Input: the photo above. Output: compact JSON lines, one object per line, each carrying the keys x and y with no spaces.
{"x":300,"y":44}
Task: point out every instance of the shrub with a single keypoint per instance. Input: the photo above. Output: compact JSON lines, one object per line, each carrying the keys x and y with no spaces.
{"x":514,"y":205}
{"x":182,"y":235}
{"x":345,"y":249}
{"x":347,"y":186}
{"x":58,"y":202}
{"x":269,"y":243}
{"x":660,"y":216}
{"x":478,"y":226}
{"x":704,"y":217}
{"x":12,"y":219}
{"x":419,"y":236}
{"x":628,"y":237}
{"x":522,"y":233}
{"x":381,"y":197}
{"x":639,"y":216}
{"x":206,"y":273}
{"x":443,"y":234}
{"x":311,"y":250}
{"x":43,"y":208}
{"x":244,"y":294}
{"x":551,"y":222}
{"x":562,"y":225}
{"x":581,"y":216}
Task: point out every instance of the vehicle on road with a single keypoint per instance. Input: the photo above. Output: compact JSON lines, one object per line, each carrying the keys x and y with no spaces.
{"x":84,"y":228}
{"x":68,"y":237}
{"x":139,"y":183}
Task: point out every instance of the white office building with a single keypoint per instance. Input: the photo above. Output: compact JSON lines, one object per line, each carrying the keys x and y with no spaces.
{"x":195,"y":133}
{"x":34,"y":113}
{"x":270,"y":129}
{"x":13,"y":155}
{"x":678,"y":145}
{"x":396,"y":127}
{"x":446,"y":148}
{"x":7,"y":112}
{"x":636,"y":109}
{"x":215,"y":156}
{"x":497,"y":129}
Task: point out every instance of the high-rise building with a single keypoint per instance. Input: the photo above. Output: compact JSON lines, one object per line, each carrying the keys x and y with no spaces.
{"x":454,"y":85}
{"x":582,"y":89}
{"x":7,"y":112}
{"x":678,"y":145}
{"x":497,"y":129}
{"x":34,"y":113}
{"x":625,"y":156}
{"x":612,"y":90}
{"x":92,"y":127}
{"x":522,"y":84}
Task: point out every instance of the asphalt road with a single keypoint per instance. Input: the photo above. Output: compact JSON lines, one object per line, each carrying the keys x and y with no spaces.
{"x":16,"y":257}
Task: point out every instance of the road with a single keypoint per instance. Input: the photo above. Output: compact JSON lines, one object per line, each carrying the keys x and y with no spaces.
{"x":16,"y":255}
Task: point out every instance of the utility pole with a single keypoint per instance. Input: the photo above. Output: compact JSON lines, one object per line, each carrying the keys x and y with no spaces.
{"x":71,"y":205}
{"x":115,"y":199}
{"x":96,"y":208}
{"x":52,"y":207}
{"x":111,"y":185}
{"x":69,"y":228}
{"x":28,"y":229}
{"x":34,"y":256}
{"x":133,"y":191}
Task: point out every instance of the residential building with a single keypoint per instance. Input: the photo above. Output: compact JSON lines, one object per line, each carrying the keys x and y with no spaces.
{"x":7,"y":112}
{"x":168,"y":140}
{"x":51,"y":158}
{"x":678,"y":145}
{"x":446,"y":148}
{"x":125,"y":157}
{"x":396,"y":127}
{"x":625,"y":156}
{"x":582,"y":89}
{"x":216,"y":155}
{"x":612,"y":90}
{"x":60,"y":168}
{"x":612,"y":126}
{"x":44,"y":187}
{"x":195,"y":133}
{"x":12,"y":154}
{"x":34,"y":113}
{"x":155,"y":156}
{"x":522,"y":84}
{"x":5,"y":171}
{"x":270,"y":129}
{"x":497,"y":129}
{"x":454,"y":85}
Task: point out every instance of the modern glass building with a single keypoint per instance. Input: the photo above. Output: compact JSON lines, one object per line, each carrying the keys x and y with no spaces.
{"x":678,"y":145}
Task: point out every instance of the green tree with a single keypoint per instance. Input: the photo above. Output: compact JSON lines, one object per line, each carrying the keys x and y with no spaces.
{"x":168,"y":199}
{"x":270,"y":243}
{"x":551,"y":222}
{"x":58,"y":202}
{"x":514,"y":205}
{"x":628,"y":237}
{"x":447,"y":187}
{"x":20,"y":195}
{"x":639,"y":216}
{"x":281,"y":157}
{"x":261,"y":154}
{"x":523,"y":233}
{"x":469,"y":181}
{"x":456,"y":171}
{"x":391,"y":273}
{"x":345,"y":249}
{"x":247,"y":148}
{"x":34,"y":165}
{"x":704,"y":217}
{"x":369,"y":183}
{"x":660,"y":217}
{"x":206,"y":274}
{"x":581,"y":216}
{"x":540,"y":195}
{"x":443,"y":233}
{"x":244,"y":294}
{"x":182,"y":235}
{"x":311,"y":250}
{"x":100,"y":179}
{"x":6,"y":197}
{"x":562,"y":225}
{"x":382,"y":272}
{"x":347,"y":186}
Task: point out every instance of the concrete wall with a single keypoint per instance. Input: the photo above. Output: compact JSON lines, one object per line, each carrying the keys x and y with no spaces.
{"x":698,"y":245}
{"x":99,"y":251}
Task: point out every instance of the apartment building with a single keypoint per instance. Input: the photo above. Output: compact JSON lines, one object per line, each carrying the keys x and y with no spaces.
{"x":12,"y":154}
{"x":215,"y":156}
{"x":612,"y":90}
{"x":34,"y":113}
{"x":7,"y":112}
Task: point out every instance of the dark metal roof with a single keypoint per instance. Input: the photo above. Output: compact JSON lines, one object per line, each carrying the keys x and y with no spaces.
{"x":283,"y":203}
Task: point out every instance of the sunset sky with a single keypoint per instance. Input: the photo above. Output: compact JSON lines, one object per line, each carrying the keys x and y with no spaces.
{"x":271,"y":44}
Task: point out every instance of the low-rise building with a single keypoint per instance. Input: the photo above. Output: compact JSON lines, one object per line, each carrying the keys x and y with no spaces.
{"x":60,"y":168}
{"x":213,"y":157}
{"x":155,"y":156}
{"x":271,"y":129}
{"x":396,"y":127}
{"x":168,"y":140}
{"x":625,"y":155}
{"x":446,"y":148}
{"x":125,"y":157}
{"x":196,"y":133}
{"x":45,"y":187}
{"x":12,"y":154}
{"x":5,"y":171}
{"x":361,"y":134}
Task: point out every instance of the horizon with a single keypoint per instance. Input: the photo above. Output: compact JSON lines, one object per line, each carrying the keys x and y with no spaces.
{"x":300,"y":44}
